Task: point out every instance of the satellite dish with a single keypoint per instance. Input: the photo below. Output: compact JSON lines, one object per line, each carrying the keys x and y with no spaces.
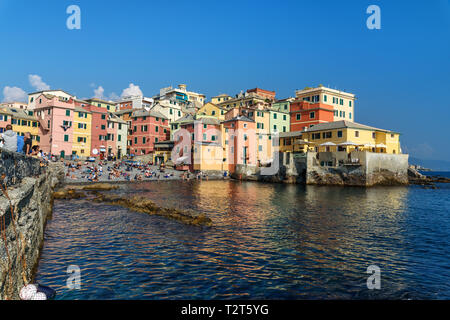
{"x":94,"y":151}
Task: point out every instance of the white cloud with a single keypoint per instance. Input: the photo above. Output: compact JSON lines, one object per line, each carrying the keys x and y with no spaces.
{"x":99,"y":93}
{"x":113,"y":96}
{"x":132,"y":90}
{"x":37,"y":83}
{"x":14,"y":94}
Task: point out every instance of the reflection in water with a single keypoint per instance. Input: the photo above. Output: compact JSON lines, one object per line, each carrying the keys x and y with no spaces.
{"x":269,"y":241}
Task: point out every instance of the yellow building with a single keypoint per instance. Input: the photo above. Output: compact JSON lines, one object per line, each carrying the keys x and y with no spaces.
{"x":220,"y":98}
{"x":210,"y":109}
{"x":82,"y":120}
{"x":24,"y":121}
{"x":342,"y":136}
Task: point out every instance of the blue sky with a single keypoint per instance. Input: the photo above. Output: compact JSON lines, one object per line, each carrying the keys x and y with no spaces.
{"x":400,"y":73}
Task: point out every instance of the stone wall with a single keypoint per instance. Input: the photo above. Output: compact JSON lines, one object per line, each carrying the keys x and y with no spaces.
{"x":337,"y":168}
{"x":16,"y":166}
{"x":23,"y":213}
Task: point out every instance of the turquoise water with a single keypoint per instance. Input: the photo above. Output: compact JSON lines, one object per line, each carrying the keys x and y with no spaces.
{"x":269,"y":241}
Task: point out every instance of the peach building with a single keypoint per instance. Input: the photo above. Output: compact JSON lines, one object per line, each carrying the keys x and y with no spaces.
{"x":55,"y":115}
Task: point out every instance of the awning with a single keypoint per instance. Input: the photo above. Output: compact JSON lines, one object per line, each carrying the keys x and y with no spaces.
{"x":349,"y":143}
{"x":327,"y":144}
{"x":181,"y":159}
{"x":369,"y":145}
{"x":381,"y":145}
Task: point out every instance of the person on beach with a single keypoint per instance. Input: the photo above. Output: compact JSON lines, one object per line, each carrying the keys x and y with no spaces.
{"x":27,"y":144}
{"x":9,"y":138}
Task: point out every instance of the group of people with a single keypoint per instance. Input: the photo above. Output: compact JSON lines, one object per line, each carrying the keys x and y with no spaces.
{"x":11,"y":141}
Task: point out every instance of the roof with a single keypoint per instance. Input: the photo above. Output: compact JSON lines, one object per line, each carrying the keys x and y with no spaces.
{"x":290,"y":134}
{"x":21,"y":114}
{"x":51,"y":91}
{"x":102,"y":101}
{"x":239,"y":118}
{"x":78,"y":109}
{"x":184,"y":119}
{"x":147,"y":113}
{"x":123,"y":111}
{"x":342,"y":124}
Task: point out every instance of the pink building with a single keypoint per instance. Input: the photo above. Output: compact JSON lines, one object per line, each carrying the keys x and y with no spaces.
{"x":55,"y":116}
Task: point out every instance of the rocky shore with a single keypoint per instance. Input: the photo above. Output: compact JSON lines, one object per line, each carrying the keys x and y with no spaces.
{"x":135,"y":203}
{"x":416,"y":178}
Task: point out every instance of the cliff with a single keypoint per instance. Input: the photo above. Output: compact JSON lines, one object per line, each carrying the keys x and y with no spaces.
{"x":25,"y":203}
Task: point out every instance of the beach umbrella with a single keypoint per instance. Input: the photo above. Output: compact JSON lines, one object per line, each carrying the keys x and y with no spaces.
{"x":348,"y":143}
{"x":381,"y":145}
{"x":327,"y":144}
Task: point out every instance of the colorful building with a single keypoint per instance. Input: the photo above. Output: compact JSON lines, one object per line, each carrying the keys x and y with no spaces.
{"x":240,"y":142}
{"x":99,"y":122}
{"x":210,"y":109}
{"x":64,"y":96}
{"x":55,"y":116}
{"x":343,"y":103}
{"x":305,"y":114}
{"x":82,"y":120}
{"x":220,"y":98}
{"x":108,"y":105}
{"x":341,"y":136}
{"x":147,"y":128}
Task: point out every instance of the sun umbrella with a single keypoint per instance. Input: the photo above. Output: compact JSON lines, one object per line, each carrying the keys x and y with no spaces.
{"x":327,"y":144}
{"x":381,"y":145}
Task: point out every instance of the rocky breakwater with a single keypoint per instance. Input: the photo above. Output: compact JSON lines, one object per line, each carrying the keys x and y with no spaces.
{"x":25,"y":204}
{"x":97,"y":193}
{"x":428,"y":182}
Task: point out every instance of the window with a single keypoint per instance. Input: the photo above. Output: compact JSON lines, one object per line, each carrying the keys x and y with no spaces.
{"x":274,"y":115}
{"x":103,"y":117}
{"x":341,"y":102}
{"x":170,"y":111}
{"x":213,"y":138}
{"x":349,"y":103}
{"x":374,"y":135}
{"x":119,"y":137}
{"x":325,"y":98}
{"x":356,"y":133}
{"x":260,"y":148}
{"x":103,"y":127}
{"x":298,"y":116}
{"x":156,"y":139}
{"x":312,"y":115}
{"x":315,"y":136}
{"x":339,"y":134}
{"x":350,"y":115}
{"x":327,"y":135}
{"x":284,"y":117}
{"x":213,"y":113}
{"x":204,"y":136}
{"x":68,"y":113}
{"x":274,"y":127}
{"x":143,"y":140}
{"x":66,"y":137}
{"x":135,"y":140}
{"x":156,"y":129}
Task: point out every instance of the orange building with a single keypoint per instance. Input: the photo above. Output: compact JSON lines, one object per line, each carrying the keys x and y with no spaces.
{"x":304,"y":114}
{"x":263,"y":93}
